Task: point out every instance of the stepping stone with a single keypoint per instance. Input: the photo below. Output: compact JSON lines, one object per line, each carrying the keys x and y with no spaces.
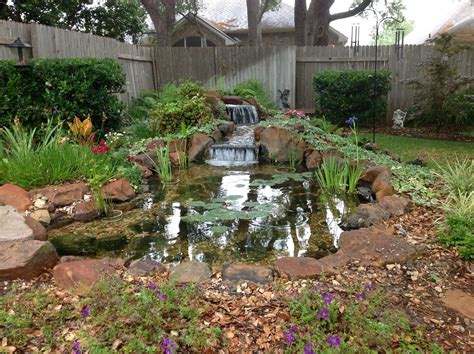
{"x":13,"y":226}
{"x":191,"y":272}
{"x":240,"y":273}
{"x":26,"y":259}
{"x":302,"y":267}
{"x":461,"y":302}
{"x":373,"y":246}
{"x":145,"y":268}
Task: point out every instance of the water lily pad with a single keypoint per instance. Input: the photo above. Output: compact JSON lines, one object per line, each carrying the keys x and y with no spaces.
{"x":219,"y":229}
{"x":233,"y":197}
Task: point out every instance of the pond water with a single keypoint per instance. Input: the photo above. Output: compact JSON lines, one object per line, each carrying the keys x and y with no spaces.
{"x":218,"y":215}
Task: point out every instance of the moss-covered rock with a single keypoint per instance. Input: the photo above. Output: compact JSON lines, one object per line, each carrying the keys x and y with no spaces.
{"x":72,"y":244}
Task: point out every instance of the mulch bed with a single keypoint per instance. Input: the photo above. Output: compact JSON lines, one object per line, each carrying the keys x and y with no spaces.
{"x":251,"y":317}
{"x":423,"y":133}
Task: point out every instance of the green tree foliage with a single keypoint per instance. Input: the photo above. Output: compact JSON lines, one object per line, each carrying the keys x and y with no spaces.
{"x":119,"y":19}
{"x":440,"y":99}
{"x":387,"y":35}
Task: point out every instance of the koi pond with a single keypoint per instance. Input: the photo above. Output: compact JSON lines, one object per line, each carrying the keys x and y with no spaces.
{"x":254,"y":214}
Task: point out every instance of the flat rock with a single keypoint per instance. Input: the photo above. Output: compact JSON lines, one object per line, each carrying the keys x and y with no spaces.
{"x":366,"y":215}
{"x":119,"y":191}
{"x":237,"y":273}
{"x":39,"y":231}
{"x":373,"y":246}
{"x":145,"y":268}
{"x":199,"y":143}
{"x":191,"y":272}
{"x":85,"y":211}
{"x":232,"y":99}
{"x":13,"y":226}
{"x":280,"y":144}
{"x":62,"y":195}
{"x":461,"y":302}
{"x":15,"y":196}
{"x":395,"y":205}
{"x":42,"y":216}
{"x":26,"y":260}
{"x":302,"y":267}
{"x":82,"y":275}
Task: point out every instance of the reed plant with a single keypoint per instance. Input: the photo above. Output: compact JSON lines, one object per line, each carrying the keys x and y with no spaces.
{"x":293,"y":157}
{"x":338,"y":176}
{"x":164,"y":168}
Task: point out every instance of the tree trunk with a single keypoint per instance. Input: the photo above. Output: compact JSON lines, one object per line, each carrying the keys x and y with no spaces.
{"x":163,"y":16}
{"x":300,"y":22}
{"x":254,"y":23}
{"x":320,"y":25}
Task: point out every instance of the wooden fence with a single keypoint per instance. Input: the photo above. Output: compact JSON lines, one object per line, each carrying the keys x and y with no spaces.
{"x":278,"y":68}
{"x":51,"y":42}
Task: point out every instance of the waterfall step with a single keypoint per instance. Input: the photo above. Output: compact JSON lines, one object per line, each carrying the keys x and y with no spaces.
{"x":242,"y":114}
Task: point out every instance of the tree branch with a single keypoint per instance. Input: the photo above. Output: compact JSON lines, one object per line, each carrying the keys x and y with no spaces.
{"x":263,"y":9}
{"x":355,"y":11}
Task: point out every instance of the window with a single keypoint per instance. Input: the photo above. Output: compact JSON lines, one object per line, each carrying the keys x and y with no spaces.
{"x":193,"y":42}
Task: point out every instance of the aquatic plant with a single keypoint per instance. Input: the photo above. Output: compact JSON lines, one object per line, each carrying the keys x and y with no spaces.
{"x":164,"y":163}
{"x":338,"y":176}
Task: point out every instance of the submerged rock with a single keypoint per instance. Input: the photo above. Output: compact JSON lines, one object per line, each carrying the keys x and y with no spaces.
{"x":15,"y":196}
{"x":236,"y":273}
{"x":27,"y":259}
{"x":191,"y":272}
{"x":74,"y":244}
{"x":13,"y":226}
{"x":145,"y":268}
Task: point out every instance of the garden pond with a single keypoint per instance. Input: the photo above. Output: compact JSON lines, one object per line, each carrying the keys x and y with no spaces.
{"x":218,"y":215}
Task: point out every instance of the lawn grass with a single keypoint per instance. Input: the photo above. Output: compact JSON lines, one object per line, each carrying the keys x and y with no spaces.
{"x":439,"y":152}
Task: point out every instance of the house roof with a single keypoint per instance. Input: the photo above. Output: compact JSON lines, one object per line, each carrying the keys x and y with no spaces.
{"x":463,"y":18}
{"x":209,"y":26}
{"x":231,"y":17}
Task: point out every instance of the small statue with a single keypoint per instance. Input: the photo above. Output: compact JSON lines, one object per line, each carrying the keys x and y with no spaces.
{"x":398,"y":119}
{"x":284,"y":96}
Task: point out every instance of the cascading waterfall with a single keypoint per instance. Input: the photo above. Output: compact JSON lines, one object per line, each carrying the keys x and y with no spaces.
{"x":242,"y":114}
{"x":240,"y":149}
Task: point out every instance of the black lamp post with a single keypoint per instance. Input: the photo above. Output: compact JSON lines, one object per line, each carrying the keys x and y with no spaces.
{"x":378,"y":22}
{"x":20,"y":46}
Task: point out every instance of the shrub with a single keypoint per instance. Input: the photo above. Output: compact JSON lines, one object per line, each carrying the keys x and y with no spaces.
{"x":254,"y":89}
{"x":458,"y":178}
{"x":185,"y":104}
{"x":440,"y":100}
{"x":457,"y":231}
{"x":341,"y":94}
{"x":63,"y":88}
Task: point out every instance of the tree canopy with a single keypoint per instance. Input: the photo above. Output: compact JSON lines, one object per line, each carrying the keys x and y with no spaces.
{"x":119,"y":19}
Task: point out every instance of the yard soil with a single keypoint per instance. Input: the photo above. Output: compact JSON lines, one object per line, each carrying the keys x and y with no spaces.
{"x":253,"y":318}
{"x":423,"y":133}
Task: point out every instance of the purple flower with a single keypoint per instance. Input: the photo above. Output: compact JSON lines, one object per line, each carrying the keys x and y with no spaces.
{"x":323,"y":314}
{"x":327,"y":298}
{"x":333,"y":341}
{"x":160,"y":295}
{"x":291,"y":293}
{"x":361,"y":296}
{"x":76,"y":347}
{"x":369,"y":287}
{"x":308,"y":348}
{"x":85,"y":312}
{"x":351,"y":121}
{"x":168,"y":345}
{"x":151,"y":286}
{"x":289,"y":335}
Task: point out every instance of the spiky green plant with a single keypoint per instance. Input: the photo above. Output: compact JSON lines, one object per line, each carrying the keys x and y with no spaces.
{"x":336,"y":176}
{"x":164,"y":163}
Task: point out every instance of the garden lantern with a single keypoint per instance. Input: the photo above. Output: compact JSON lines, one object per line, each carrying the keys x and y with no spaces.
{"x":20,"y":46}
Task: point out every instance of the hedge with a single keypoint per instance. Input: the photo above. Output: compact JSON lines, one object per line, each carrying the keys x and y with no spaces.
{"x":61,"y":88}
{"x":341,"y":94}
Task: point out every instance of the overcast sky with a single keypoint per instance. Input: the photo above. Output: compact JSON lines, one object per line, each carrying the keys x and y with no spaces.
{"x":427,"y":14}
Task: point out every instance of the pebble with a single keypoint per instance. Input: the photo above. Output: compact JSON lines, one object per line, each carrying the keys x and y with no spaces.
{"x":40,"y":204}
{"x":438,"y":289}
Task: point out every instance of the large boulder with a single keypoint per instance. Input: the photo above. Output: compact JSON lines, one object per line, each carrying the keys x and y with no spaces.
{"x":302,"y":267}
{"x":199,"y":144}
{"x":366,"y":215}
{"x":280,"y":144}
{"x":26,"y":260}
{"x":373,"y":246}
{"x":62,"y":195}
{"x":237,"y":273}
{"x":119,"y":191}
{"x":373,"y":172}
{"x":15,"y":196}
{"x":83,"y":274}
{"x":382,"y":186}
{"x":191,"y":272}
{"x":13,"y":226}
